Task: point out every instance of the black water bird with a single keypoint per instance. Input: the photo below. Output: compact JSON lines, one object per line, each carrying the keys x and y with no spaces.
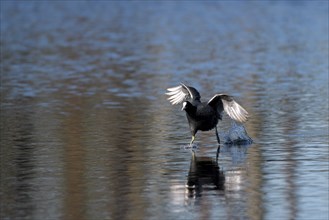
{"x":204,"y":116}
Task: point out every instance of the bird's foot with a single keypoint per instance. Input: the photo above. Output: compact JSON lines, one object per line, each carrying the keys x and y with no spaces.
{"x":192,"y":147}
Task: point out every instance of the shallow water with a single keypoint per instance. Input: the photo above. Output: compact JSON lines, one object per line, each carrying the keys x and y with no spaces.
{"x":87,"y":132}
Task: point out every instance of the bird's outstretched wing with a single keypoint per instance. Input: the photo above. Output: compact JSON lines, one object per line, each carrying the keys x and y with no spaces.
{"x":222,"y":102}
{"x":181,"y":93}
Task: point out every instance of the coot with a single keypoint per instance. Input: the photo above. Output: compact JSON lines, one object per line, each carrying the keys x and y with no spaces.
{"x":204,"y":116}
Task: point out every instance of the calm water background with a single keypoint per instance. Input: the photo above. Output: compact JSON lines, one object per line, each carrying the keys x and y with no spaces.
{"x":87,"y":132}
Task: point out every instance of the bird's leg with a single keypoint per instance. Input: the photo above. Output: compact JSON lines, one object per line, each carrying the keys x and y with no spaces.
{"x":193,"y":154}
{"x":191,"y":143}
{"x":218,"y":140}
{"x":217,"y":154}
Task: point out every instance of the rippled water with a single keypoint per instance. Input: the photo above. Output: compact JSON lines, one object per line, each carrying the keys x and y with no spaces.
{"x":87,"y":132}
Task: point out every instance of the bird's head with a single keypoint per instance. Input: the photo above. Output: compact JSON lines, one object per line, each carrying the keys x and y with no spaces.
{"x":187,"y":106}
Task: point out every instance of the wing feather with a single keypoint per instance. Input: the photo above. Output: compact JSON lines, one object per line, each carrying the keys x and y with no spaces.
{"x":181,"y":93}
{"x":222,"y":102}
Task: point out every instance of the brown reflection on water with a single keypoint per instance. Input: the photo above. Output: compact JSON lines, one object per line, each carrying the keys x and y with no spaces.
{"x":104,"y":148}
{"x":255,"y":199}
{"x":126,"y":167}
{"x":74,"y":164}
{"x":291,"y":124}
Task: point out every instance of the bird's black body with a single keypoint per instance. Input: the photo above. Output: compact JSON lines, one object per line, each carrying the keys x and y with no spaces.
{"x":204,"y":116}
{"x":201,"y":117}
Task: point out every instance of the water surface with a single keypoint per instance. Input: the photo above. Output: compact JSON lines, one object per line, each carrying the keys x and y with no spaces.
{"x":87,"y":132}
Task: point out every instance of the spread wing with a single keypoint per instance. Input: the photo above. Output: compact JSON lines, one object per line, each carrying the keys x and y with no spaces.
{"x":182,"y":93}
{"x":222,"y":102}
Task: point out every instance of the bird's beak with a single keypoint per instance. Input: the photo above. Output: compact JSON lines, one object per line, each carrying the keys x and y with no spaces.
{"x":184,"y":106}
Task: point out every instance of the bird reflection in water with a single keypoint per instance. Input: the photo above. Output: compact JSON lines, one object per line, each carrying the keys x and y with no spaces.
{"x":204,"y":174}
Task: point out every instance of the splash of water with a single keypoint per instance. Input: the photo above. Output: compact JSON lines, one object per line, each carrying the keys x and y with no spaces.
{"x":236,"y":135}
{"x":193,"y":147}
